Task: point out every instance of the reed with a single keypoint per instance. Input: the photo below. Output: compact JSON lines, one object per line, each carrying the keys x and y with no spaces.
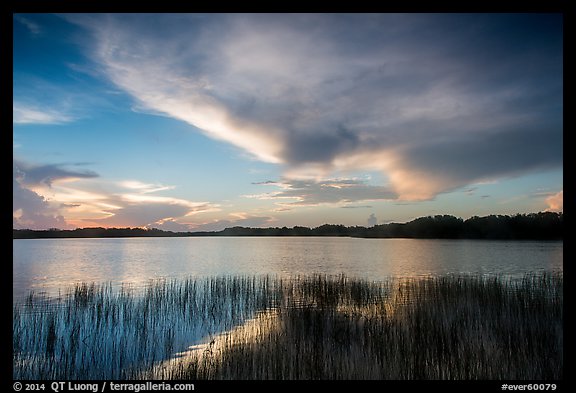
{"x":304,"y":327}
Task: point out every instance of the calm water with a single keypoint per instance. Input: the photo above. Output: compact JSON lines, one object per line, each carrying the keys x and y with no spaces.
{"x":166,"y":328}
{"x":47,"y":265}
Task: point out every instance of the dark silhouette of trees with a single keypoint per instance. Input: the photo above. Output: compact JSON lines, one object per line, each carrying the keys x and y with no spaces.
{"x":535,"y":226}
{"x":442,"y":227}
{"x":544,"y":225}
{"x":90,"y":232}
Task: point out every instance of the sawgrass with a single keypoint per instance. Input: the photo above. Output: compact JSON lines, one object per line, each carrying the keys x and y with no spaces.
{"x":305,"y":327}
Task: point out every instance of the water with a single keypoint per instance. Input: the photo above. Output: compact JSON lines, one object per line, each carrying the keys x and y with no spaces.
{"x":120,"y":337}
{"x":53,"y":265}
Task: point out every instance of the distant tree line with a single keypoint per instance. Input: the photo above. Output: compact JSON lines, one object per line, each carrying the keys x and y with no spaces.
{"x":545,"y":225}
{"x":533,"y":226}
{"x":91,"y":232}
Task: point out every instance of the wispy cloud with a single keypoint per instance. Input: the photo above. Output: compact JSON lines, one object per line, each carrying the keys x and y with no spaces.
{"x":58,"y":100}
{"x":324,"y":94}
{"x":144,"y":187}
{"x":33,"y":27}
{"x":243,"y":220}
{"x":119,"y":205}
{"x":24,"y":114}
{"x":342,"y":192}
{"x":147,"y":213}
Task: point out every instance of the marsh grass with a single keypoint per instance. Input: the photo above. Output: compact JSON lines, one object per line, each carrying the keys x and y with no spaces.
{"x":96,"y":332}
{"x":305,"y":327}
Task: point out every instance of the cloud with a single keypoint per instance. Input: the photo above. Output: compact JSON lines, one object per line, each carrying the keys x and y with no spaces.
{"x":52,"y":195}
{"x":237,"y":219}
{"x":245,"y":220}
{"x":170,"y":224}
{"x":33,"y":27}
{"x":144,"y":187}
{"x":555,"y":202}
{"x":30,"y":174}
{"x":140,"y":215}
{"x":41,"y":100}
{"x":31,"y":210}
{"x":435,"y":102}
{"x":137,"y":208}
{"x":27,"y":114}
{"x":70,"y":205}
{"x":295,"y":193}
{"x":372,"y":220}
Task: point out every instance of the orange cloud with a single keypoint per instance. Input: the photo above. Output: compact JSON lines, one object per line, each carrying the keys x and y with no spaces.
{"x":555,"y":202}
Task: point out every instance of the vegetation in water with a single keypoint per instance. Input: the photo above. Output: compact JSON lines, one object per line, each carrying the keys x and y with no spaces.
{"x":306,"y":327}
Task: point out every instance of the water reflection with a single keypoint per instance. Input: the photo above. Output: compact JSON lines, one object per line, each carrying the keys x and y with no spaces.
{"x":214,"y":347}
{"x":208,"y":328}
{"x":53,"y":264}
{"x":98,"y":332}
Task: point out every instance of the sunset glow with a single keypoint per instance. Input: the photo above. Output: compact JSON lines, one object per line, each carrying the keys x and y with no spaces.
{"x":207,"y":121}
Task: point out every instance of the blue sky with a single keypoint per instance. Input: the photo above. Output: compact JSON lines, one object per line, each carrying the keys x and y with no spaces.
{"x":205,"y":121}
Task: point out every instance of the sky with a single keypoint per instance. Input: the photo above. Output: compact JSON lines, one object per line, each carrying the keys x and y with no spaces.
{"x":195,"y":122}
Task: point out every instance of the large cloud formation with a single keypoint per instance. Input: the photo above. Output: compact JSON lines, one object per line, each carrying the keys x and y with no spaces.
{"x":433,"y":101}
